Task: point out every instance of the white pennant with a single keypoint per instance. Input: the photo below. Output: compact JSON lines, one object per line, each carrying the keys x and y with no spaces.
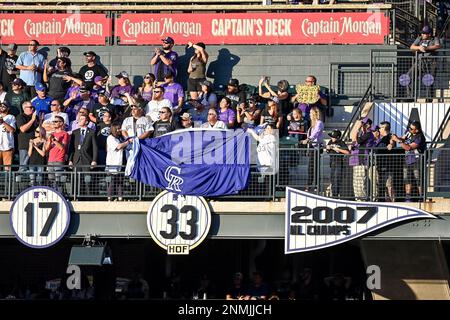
{"x":314,"y":222}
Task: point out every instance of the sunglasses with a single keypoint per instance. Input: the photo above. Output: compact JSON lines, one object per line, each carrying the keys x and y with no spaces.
{"x":28,"y":107}
{"x":147,"y":77}
{"x":156,"y":91}
{"x":309,"y":81}
{"x":32,"y":45}
{"x":37,"y":131}
{"x":162,"y":112}
{"x":56,"y":121}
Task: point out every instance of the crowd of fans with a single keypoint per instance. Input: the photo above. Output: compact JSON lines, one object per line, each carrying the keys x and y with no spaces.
{"x":51,"y":116}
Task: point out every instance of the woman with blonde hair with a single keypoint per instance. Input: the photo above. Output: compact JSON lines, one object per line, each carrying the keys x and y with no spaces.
{"x":146,"y":90}
{"x":314,"y":142}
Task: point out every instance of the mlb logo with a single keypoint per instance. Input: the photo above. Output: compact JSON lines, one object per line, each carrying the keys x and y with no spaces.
{"x":36,"y":194}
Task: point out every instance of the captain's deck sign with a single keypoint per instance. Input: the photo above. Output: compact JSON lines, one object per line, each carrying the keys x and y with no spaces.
{"x":314,"y":222}
{"x":178,"y":223}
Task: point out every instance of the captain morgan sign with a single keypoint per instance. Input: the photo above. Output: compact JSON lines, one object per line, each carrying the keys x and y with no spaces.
{"x":314,"y":222}
{"x":254,"y":28}
{"x":58,"y":28}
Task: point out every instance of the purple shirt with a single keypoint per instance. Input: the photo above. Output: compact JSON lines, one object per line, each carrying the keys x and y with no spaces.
{"x":227,"y":116}
{"x":76,"y":105}
{"x":120,"y":90}
{"x":173,"y":92}
{"x":315,"y":134}
{"x":161,"y":69}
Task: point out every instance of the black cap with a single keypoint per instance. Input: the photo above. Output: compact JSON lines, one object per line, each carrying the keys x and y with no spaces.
{"x":233,"y":82}
{"x":201,"y":44}
{"x":19,"y":81}
{"x":83,"y":89}
{"x":65,"y":50}
{"x":335,"y":134}
{"x":90,"y":53}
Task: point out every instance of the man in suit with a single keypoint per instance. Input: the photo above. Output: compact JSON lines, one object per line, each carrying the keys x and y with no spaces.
{"x":83,"y":149}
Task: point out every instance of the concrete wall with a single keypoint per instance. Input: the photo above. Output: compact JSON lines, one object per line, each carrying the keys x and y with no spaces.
{"x":247,"y":63}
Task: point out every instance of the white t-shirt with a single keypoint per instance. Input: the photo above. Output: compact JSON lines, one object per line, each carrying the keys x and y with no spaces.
{"x":218,"y":125}
{"x":267,"y":153}
{"x":142,"y":125}
{"x":2,"y":96}
{"x":7,"y":138}
{"x":49,"y":117}
{"x":153,"y":107}
{"x":114,"y":157}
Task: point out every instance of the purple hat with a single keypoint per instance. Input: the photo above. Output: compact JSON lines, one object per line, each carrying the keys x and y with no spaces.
{"x":98,"y":78}
{"x":426,"y":29}
{"x":168,"y":40}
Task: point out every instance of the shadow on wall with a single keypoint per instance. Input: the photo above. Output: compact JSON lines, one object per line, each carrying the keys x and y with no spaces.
{"x":221,"y":70}
{"x":182,"y":66}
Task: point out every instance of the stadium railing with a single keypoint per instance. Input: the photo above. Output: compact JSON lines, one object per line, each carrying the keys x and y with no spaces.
{"x":409,"y":75}
{"x":433,"y":172}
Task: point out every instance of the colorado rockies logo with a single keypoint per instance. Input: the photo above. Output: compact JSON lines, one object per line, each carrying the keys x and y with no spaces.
{"x":173,"y":180}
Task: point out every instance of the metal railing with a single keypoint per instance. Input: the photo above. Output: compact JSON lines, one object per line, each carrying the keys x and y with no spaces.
{"x":357,"y":112}
{"x":405,"y":26}
{"x":87,"y":183}
{"x":410,"y":6}
{"x":347,"y":80}
{"x":410,"y":75}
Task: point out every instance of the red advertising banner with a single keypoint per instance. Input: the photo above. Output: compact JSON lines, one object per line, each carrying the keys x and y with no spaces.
{"x":254,"y":28}
{"x":55,"y":28}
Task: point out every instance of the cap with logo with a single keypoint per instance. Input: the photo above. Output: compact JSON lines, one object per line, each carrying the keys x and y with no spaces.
{"x":40,"y":87}
{"x":207,"y":83}
{"x":238,"y":276}
{"x":168,"y":40}
{"x":19,"y":82}
{"x":103,"y":92}
{"x":335,"y":134}
{"x":233,"y":82}
{"x":122,"y":74}
{"x":185,"y":116}
{"x":12,"y":47}
{"x":426,"y":29}
{"x":90,"y":53}
{"x":83,"y":89}
{"x":65,"y":51}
